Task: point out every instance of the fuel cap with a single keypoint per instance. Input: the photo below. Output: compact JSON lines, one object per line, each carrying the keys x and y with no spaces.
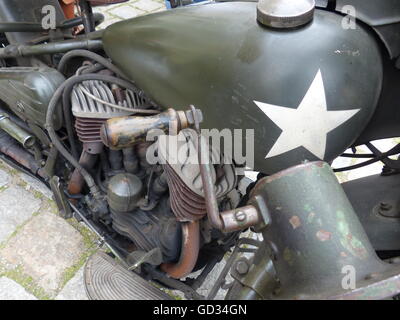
{"x":285,"y":13}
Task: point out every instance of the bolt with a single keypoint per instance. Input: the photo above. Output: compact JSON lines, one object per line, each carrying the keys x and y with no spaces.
{"x":240,"y":216}
{"x":241,"y":267}
{"x":385,"y":206}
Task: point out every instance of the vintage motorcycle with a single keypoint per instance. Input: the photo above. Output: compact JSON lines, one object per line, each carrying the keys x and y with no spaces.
{"x":94,"y":115}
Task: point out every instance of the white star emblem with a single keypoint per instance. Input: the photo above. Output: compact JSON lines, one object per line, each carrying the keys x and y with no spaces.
{"x":308,"y":125}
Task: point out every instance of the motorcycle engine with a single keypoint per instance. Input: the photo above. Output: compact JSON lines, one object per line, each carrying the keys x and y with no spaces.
{"x":147,"y":202}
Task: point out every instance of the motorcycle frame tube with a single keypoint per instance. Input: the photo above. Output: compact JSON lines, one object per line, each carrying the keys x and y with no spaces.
{"x":37,"y":27}
{"x":15,"y":51}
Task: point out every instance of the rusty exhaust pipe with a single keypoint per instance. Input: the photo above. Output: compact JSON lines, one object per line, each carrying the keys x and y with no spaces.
{"x":77,"y":181}
{"x":11,"y":148}
{"x":87,"y":160}
{"x":189,"y":252}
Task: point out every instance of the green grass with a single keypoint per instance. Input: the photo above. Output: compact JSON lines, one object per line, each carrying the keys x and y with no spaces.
{"x":89,"y":240}
{"x":27,"y":282}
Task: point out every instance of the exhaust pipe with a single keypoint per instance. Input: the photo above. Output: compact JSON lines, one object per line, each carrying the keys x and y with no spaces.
{"x":15,"y":131}
{"x":10,"y":147}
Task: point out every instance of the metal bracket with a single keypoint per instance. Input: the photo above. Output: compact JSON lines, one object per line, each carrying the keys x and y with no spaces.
{"x":137,"y":258}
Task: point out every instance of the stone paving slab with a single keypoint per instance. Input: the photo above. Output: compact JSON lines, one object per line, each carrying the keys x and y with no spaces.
{"x":74,"y":289}
{"x":44,"y":248}
{"x":128,"y":10}
{"x":16,"y":206}
{"x":36,"y":185}
{"x":10,"y":290}
{"x":4,"y":178}
{"x":149,"y":5}
{"x":126,"y":13}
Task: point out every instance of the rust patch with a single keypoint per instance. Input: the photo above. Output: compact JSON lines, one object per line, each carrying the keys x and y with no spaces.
{"x":343,"y":254}
{"x":347,"y":240}
{"x":295,"y":222}
{"x":323,"y":235}
{"x":310,"y":217}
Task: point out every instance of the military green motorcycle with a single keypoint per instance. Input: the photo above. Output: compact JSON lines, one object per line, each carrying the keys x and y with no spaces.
{"x":119,"y":124}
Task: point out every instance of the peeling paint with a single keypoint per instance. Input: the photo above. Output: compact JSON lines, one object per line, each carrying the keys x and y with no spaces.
{"x":295,"y":222}
{"x":323,"y":235}
{"x":347,"y":240}
{"x":354,"y":53}
{"x":307,"y":208}
{"x":310,"y":217}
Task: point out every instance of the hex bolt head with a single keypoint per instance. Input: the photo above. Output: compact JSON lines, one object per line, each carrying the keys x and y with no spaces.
{"x":241,"y":267}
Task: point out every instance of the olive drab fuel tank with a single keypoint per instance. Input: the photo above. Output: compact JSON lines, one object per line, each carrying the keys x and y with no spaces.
{"x":308,"y":92}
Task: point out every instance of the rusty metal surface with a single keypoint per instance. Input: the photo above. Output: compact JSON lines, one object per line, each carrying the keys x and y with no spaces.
{"x":87,"y":160}
{"x":11,"y":148}
{"x":124,"y":132}
{"x":189,"y":252}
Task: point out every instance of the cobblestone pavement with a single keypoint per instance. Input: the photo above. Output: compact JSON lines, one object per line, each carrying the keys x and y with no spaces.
{"x":129,"y":10}
{"x":41,"y":254}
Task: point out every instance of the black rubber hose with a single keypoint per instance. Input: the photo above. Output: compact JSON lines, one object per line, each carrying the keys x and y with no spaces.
{"x":89,"y":55}
{"x":70,"y":83}
{"x":67,"y":112}
{"x":93,"y":69}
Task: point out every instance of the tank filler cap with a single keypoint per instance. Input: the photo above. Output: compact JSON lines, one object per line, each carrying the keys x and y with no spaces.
{"x":285,"y":13}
